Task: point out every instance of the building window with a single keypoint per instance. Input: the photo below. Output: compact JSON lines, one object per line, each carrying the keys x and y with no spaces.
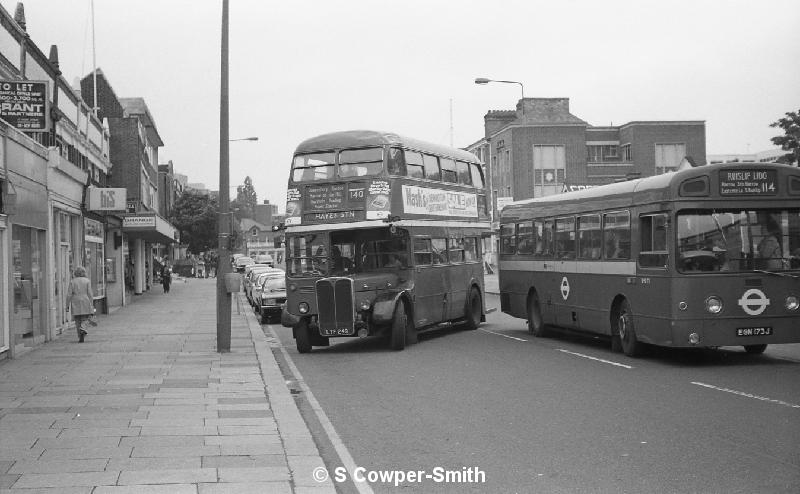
{"x":669,"y":156}
{"x":602,"y":153}
{"x":549,"y":168}
{"x":626,"y":153}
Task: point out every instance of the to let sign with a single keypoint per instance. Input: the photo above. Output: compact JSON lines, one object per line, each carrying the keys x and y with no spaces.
{"x":748,"y":182}
{"x":24,"y":104}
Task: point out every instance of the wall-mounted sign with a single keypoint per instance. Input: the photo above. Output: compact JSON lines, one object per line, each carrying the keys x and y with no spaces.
{"x":130,"y":206}
{"x":107,"y":199}
{"x":141,"y":221}
{"x":25,"y":105}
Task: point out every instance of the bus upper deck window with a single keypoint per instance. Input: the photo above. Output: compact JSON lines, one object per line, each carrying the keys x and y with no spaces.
{"x":414,"y":166}
{"x":431,"y":164}
{"x":396,"y":162}
{"x":448,"y":167}
{"x":311,"y":167}
{"x":360,"y":162}
{"x":477,"y":175}
{"x":462,"y":172}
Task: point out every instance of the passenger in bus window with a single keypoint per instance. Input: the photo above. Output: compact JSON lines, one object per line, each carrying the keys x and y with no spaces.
{"x":394,"y":261}
{"x":613,"y":250}
{"x":341,"y":264}
{"x":769,"y":248}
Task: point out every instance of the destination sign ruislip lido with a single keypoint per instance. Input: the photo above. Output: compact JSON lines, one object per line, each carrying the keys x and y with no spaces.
{"x":748,"y":182}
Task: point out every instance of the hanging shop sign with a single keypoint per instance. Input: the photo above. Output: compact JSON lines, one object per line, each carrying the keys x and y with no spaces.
{"x":104,"y":199}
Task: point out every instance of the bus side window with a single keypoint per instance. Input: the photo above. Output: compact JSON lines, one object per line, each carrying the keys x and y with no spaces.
{"x":477,"y":175}
{"x":525,"y":241}
{"x":422,"y":252}
{"x":507,"y":240}
{"x":431,"y":164}
{"x":414,"y":166}
{"x":396,"y":162}
{"x":471,"y":249}
{"x":462,"y":172}
{"x":565,"y":238}
{"x":439,"y":250}
{"x":448,"y":170}
{"x":543,"y":237}
{"x":617,"y":235}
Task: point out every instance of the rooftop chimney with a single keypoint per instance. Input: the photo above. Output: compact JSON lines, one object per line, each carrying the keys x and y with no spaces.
{"x":54,"y":56}
{"x":19,"y":16}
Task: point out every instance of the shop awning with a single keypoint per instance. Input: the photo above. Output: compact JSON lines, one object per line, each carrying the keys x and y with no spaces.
{"x":149,"y":227}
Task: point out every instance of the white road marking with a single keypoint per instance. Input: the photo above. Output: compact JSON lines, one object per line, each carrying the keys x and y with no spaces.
{"x":347,"y":459}
{"x":595,"y":358}
{"x":503,"y":335}
{"x":748,"y":395}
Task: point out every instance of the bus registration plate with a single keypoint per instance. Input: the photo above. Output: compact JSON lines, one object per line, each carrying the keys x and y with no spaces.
{"x":336,"y":332}
{"x":757,"y":331}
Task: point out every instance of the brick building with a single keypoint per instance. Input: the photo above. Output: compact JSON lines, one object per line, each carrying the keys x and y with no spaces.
{"x":542,"y":149}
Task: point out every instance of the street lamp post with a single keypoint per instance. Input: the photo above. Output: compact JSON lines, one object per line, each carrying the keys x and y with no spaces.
{"x":223,"y":219}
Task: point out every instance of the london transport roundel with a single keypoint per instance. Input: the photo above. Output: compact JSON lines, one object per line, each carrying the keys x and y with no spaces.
{"x":564,"y":288}
{"x":753,"y":301}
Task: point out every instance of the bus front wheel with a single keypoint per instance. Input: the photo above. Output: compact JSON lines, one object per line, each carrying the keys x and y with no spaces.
{"x":755,"y":349}
{"x":473,"y":312}
{"x":302,"y":338}
{"x":535,"y":321}
{"x":626,"y":332}
{"x":400,"y":327}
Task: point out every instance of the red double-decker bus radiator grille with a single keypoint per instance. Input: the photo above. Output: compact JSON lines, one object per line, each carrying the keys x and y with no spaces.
{"x":335,"y":306}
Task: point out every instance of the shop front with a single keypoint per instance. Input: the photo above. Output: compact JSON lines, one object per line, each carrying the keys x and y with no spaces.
{"x":144,"y":230}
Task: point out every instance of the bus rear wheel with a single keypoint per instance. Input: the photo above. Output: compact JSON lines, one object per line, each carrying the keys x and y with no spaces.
{"x":626,"y":332}
{"x":302,"y":338}
{"x":535,"y":321}
{"x":473,"y":311}
{"x":755,"y":349}
{"x":400,"y":327}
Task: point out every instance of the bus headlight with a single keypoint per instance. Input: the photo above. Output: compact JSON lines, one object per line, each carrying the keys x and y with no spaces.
{"x":714,"y":305}
{"x":364,"y":305}
{"x":303,"y":307}
{"x":792,"y":303}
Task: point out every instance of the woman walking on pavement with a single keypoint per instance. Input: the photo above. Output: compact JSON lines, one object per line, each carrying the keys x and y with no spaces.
{"x":166,"y":277}
{"x":80,"y":300}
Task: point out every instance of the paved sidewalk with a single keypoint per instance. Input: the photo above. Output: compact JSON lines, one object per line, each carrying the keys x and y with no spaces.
{"x":147,"y":405}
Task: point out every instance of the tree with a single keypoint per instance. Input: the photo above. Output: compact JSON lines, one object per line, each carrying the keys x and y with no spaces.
{"x":790,"y":141}
{"x":195,"y":215}
{"x":246,"y":199}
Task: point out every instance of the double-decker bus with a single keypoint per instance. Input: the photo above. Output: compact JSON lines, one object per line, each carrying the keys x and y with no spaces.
{"x":383,"y":236}
{"x":702,"y":257}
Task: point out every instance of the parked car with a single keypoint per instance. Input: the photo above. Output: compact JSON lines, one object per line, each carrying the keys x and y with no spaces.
{"x":264,"y":259}
{"x":252,"y":272}
{"x":241,"y":262}
{"x":271,"y":297}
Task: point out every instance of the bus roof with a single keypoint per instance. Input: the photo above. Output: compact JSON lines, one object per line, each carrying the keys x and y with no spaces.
{"x":369,"y":138}
{"x":640,"y":191}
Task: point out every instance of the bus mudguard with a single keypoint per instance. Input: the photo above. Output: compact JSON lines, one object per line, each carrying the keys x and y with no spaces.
{"x":289,"y":320}
{"x":384,"y":305}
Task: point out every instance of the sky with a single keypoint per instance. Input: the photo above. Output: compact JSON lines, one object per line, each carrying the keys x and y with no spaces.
{"x":300,"y":68}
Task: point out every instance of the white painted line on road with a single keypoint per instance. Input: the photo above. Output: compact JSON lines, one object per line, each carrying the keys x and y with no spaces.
{"x":748,"y":395}
{"x":347,"y":459}
{"x":503,"y":335}
{"x":595,"y":358}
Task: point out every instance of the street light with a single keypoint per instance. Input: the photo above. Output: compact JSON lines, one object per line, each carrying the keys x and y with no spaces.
{"x":223,"y":220}
{"x":483,"y":80}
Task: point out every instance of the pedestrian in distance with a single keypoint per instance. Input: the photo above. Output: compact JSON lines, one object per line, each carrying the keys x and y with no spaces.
{"x":80,"y":300}
{"x":166,"y":277}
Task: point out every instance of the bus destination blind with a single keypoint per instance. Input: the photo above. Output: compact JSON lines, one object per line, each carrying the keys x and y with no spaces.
{"x":748,"y":182}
